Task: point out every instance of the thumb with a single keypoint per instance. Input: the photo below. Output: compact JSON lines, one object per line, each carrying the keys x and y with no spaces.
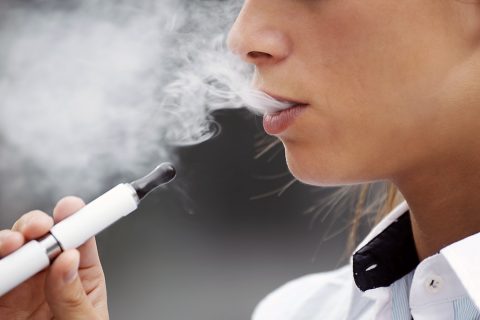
{"x":64,"y":290}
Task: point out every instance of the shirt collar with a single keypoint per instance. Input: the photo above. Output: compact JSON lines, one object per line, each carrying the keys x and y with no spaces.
{"x":388,"y":253}
{"x":464,"y":258}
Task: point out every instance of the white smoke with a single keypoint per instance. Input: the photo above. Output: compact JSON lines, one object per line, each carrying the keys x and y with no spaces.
{"x":93,"y":89}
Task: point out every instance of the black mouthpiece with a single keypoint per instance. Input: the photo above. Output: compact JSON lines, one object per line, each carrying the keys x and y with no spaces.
{"x":161,"y":175}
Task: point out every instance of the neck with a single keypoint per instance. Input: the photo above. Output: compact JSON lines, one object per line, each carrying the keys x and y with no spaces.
{"x":443,"y":205}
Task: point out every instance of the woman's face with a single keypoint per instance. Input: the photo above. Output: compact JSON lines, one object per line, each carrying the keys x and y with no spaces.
{"x":386,"y":81}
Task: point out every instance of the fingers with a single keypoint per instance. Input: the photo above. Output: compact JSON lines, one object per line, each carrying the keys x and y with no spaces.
{"x":33,"y":225}
{"x":88,"y":251}
{"x":66,"y":207}
{"x":64,"y":290}
{"x":10,"y":241}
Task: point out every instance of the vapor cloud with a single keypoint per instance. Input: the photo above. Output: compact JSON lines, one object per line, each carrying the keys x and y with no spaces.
{"x":91,"y":90}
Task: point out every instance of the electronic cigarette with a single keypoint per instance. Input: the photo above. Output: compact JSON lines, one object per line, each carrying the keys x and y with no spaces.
{"x":75,"y":230}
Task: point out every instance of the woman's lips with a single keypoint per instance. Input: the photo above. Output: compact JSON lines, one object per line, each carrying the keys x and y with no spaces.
{"x":276,"y":123}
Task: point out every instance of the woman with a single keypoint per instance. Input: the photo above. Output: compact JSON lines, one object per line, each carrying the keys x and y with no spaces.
{"x":384,"y":90}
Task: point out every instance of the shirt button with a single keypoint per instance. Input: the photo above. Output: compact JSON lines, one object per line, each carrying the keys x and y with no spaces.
{"x":434,"y":283}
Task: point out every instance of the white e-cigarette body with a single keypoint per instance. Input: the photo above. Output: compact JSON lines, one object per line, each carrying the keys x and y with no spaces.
{"x":75,"y":230}
{"x":95,"y":216}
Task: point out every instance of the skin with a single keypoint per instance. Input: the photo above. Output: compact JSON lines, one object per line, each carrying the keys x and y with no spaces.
{"x":393,"y":92}
{"x":72,"y":288}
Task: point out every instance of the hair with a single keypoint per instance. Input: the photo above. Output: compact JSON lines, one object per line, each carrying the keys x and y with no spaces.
{"x":383,"y":202}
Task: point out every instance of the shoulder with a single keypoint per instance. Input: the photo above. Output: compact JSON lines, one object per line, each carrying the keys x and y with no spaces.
{"x":311,"y":297}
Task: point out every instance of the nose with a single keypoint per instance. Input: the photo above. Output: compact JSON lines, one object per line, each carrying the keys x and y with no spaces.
{"x":257,"y":38}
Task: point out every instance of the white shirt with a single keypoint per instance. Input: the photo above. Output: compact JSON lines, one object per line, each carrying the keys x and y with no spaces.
{"x":445,"y":286}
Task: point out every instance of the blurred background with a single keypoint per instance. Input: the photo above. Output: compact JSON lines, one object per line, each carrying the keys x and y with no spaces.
{"x":230,"y":229}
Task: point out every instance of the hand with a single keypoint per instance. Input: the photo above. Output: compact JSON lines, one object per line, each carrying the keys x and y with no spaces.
{"x":73,"y":287}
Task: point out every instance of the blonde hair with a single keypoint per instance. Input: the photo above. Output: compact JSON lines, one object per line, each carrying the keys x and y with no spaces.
{"x":383,"y":202}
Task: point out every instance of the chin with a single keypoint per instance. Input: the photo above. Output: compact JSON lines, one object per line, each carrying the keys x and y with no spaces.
{"x":312,"y":170}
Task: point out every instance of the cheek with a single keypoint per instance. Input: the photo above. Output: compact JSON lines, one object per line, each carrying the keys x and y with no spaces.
{"x":338,"y":146}
{"x":362,"y":52}
{"x":375,"y":91}
{"x":374,"y":80}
